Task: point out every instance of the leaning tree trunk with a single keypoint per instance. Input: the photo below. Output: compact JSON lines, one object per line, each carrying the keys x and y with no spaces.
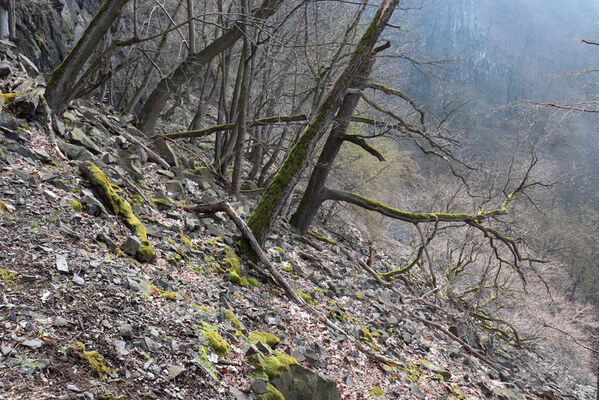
{"x":60,"y":83}
{"x":148,"y":116}
{"x":296,"y":161}
{"x":313,"y":196}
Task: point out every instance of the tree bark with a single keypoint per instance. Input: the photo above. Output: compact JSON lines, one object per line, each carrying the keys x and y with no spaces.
{"x":244,"y":94}
{"x":60,"y":83}
{"x":148,"y":116}
{"x":313,"y":195}
{"x":290,"y":171}
{"x":191,"y":27}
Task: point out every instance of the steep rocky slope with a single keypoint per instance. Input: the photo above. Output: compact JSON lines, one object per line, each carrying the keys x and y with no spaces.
{"x":81,"y":317}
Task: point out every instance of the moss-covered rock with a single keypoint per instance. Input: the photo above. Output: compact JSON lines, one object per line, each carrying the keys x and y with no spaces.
{"x":264,"y":337}
{"x":271,"y":393}
{"x":75,"y":205}
{"x":307,"y":297}
{"x":234,"y":277}
{"x":233,"y":319}
{"x":7,"y":277}
{"x":214,"y":340}
{"x":119,"y":206}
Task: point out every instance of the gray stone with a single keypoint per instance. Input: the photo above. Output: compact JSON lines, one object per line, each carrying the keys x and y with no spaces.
{"x":61,"y":263}
{"x":166,"y":173}
{"x":5,"y":69}
{"x":437,"y":370}
{"x":121,"y":348}
{"x":166,"y":152}
{"x":192,"y":222}
{"x":97,"y":207}
{"x":174,"y":371}
{"x":259,"y":385}
{"x":109,"y":158}
{"x":41,"y":154}
{"x":131,"y":245}
{"x":300,"y":383}
{"x":78,"y":280}
{"x":126,"y":330}
{"x":77,"y":136}
{"x":32,"y":343}
{"x":104,"y":238}
{"x":5,"y":350}
{"x":42,"y":363}
{"x":239,"y":395}
{"x":506,"y":394}
{"x":73,"y":388}
{"x":151,"y":345}
{"x":175,"y":188}
{"x":60,"y":321}
{"x":70,"y":117}
{"x":25,"y":176}
{"x":72,"y":151}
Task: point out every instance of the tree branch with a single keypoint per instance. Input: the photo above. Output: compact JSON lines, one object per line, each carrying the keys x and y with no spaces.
{"x":227,"y":127}
{"x":359,"y":141}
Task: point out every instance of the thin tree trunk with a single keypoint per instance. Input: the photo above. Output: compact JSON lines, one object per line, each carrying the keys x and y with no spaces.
{"x":192,"y":27}
{"x":244,"y":94}
{"x":60,"y":83}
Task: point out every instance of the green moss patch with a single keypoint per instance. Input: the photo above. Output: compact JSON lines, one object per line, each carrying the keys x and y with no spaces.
{"x":233,"y":319}
{"x":264,"y":337}
{"x":307,"y":297}
{"x":234,"y":277}
{"x":7,"y":277}
{"x":94,"y":359}
{"x":120,"y":207}
{"x":377,"y":392}
{"x":278,"y":362}
{"x":271,"y":393}
{"x":75,"y":205}
{"x":215,"y":341}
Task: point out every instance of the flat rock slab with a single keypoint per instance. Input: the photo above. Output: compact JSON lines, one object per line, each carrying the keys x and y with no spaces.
{"x":300,"y":383}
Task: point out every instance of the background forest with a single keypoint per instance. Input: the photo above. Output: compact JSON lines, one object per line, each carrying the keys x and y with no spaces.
{"x":475,"y":105}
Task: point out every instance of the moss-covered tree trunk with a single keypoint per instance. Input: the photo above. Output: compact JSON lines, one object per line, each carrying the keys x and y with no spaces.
{"x":60,"y":83}
{"x":192,"y":65}
{"x":296,"y":161}
{"x":313,"y":195}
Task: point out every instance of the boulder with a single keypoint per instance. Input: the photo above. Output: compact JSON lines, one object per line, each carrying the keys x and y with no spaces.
{"x":166,"y":152}
{"x":300,"y":383}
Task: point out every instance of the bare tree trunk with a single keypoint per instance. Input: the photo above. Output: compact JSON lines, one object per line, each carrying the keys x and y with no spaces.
{"x":60,"y":83}
{"x":12,"y":21}
{"x":192,"y":27}
{"x":244,"y":94}
{"x":312,"y":197}
{"x":290,"y":171}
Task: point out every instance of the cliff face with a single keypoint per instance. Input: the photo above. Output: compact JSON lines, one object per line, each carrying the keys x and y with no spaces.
{"x":505,"y":49}
{"x":46,"y":30}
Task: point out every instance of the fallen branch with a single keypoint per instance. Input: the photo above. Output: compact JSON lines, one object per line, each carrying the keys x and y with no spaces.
{"x":225,"y":207}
